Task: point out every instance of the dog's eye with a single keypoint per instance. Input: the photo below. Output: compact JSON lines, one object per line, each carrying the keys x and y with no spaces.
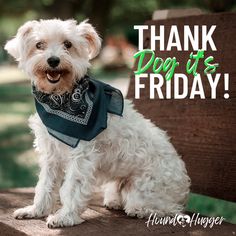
{"x":67,"y":44}
{"x":39,"y":45}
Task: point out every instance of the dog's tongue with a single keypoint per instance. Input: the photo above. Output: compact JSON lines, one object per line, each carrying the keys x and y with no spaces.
{"x":53,"y":75}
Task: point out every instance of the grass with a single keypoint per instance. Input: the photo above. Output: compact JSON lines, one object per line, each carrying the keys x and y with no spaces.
{"x":18,"y":166}
{"x":212,"y":207}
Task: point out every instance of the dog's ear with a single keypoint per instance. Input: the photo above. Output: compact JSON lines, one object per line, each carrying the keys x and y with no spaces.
{"x":87,"y":31}
{"x":14,"y":46}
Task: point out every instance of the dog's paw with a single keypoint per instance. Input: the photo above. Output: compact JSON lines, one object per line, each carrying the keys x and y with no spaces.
{"x":113,"y":204}
{"x":136,"y":214}
{"x":61,"y":219}
{"x":28,"y":213}
{"x":139,"y":212}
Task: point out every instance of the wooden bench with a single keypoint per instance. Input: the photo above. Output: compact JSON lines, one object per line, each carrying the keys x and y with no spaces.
{"x":99,"y":221}
{"x":203,"y":132}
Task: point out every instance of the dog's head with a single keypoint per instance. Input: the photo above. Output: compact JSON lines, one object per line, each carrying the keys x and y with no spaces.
{"x":54,"y":53}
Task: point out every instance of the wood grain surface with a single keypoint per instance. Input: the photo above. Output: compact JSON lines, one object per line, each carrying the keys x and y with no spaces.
{"x":203,"y":131}
{"x":98,"y":221}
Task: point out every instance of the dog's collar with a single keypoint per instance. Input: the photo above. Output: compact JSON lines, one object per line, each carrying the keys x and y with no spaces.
{"x":80,"y":115}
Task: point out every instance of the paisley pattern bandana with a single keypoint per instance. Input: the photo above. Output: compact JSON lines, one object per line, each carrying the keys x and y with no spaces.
{"x":81,"y":114}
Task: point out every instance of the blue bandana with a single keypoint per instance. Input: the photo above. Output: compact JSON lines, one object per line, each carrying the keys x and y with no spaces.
{"x":80,"y":115}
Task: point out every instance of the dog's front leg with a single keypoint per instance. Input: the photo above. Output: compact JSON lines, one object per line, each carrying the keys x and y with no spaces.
{"x":50,"y":178}
{"x":75,"y":192}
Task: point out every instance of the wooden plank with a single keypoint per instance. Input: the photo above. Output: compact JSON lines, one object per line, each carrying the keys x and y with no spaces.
{"x":7,"y":230}
{"x":203,"y":131}
{"x":99,"y":221}
{"x":174,"y":13}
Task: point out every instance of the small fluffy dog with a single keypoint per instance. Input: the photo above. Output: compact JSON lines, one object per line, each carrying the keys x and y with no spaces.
{"x":132,"y":159}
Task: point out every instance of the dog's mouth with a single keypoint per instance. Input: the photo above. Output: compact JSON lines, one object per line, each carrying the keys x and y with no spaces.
{"x":53,"y":76}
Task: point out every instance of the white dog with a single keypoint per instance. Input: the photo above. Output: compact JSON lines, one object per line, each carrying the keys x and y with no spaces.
{"x":132,"y":158}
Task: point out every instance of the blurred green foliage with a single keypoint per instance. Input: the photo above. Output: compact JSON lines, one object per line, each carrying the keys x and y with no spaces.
{"x":108,"y":16}
{"x":212,"y":207}
{"x":17,"y":166}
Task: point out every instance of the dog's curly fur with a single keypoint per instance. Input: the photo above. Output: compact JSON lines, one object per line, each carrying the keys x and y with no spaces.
{"x":133,"y":159}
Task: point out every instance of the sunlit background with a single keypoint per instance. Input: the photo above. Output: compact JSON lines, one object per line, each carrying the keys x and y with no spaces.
{"x":114,"y":21}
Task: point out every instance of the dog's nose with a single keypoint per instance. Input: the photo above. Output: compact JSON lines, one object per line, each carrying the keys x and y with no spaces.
{"x":53,"y":61}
